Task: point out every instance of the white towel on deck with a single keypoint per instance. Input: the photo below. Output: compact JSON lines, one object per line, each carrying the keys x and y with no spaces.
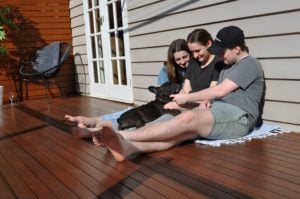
{"x":263,"y":131}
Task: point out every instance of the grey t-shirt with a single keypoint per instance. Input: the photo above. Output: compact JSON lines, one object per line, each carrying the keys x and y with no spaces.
{"x":248,"y":74}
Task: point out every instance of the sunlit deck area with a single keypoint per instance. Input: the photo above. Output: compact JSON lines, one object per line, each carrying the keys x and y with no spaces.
{"x":39,"y":158}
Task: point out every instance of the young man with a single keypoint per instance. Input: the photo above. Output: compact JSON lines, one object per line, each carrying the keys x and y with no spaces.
{"x":233,"y":112}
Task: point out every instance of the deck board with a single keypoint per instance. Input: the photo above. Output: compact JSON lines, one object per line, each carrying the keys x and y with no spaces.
{"x":40,"y":159}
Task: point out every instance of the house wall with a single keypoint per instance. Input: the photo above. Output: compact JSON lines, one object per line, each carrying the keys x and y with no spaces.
{"x":272,"y":34}
{"x":40,"y":23}
{"x":79,"y":47}
{"x":271,"y":30}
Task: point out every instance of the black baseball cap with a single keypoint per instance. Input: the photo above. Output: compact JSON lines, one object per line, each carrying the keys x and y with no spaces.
{"x":227,"y":37}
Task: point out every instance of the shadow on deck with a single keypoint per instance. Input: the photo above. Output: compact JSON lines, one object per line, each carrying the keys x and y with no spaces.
{"x":40,"y":159}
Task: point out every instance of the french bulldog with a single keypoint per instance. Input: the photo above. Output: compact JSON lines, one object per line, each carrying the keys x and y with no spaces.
{"x":139,"y":116}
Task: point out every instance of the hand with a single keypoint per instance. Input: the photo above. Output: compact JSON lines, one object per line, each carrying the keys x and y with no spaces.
{"x":205,"y":104}
{"x":171,"y":105}
{"x":180,"y":98}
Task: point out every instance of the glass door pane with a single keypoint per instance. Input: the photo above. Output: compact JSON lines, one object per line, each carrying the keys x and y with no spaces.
{"x":109,"y":50}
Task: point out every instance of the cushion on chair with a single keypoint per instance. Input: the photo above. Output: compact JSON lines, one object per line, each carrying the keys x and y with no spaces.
{"x":47,"y":57}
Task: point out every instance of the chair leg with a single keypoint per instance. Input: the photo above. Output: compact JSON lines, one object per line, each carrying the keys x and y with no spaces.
{"x":26,"y":87}
{"x":58,"y":86}
{"x":46,"y":84}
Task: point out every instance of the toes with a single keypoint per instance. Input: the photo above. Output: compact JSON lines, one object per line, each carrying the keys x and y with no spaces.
{"x":68,"y":117}
{"x":97,"y":138}
{"x":96,"y":142}
{"x":71,"y":118}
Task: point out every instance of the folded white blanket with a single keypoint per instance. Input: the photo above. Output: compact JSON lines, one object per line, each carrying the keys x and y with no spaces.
{"x":263,"y":131}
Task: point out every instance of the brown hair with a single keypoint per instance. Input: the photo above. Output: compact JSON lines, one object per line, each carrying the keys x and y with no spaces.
{"x":173,"y":70}
{"x":199,"y":35}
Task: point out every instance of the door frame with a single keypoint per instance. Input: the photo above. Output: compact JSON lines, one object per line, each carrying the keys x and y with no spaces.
{"x":108,"y":90}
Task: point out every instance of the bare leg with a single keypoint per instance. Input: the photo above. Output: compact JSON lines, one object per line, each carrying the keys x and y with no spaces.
{"x":122,"y":149}
{"x":79,"y":132}
{"x":84,"y":122}
{"x":198,"y":122}
{"x":156,"y":137}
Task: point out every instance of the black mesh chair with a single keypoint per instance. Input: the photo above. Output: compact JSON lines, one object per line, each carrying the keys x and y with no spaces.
{"x":45,"y":65}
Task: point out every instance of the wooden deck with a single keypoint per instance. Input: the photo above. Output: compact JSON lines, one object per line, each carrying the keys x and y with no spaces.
{"x":40,"y":159}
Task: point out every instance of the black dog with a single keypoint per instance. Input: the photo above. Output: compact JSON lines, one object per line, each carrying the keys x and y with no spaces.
{"x":143,"y":114}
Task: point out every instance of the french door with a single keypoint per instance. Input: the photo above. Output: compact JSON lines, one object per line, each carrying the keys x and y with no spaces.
{"x":108,"y":49}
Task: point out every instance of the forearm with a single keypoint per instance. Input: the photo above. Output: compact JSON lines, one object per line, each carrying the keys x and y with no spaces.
{"x":181,"y":107}
{"x":206,"y":94}
{"x":215,"y":92}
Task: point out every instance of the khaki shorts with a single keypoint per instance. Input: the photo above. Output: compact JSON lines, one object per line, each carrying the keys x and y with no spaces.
{"x":229,"y":121}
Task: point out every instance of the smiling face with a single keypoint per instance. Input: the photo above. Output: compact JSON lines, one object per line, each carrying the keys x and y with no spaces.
{"x":182,"y":58}
{"x":199,"y":51}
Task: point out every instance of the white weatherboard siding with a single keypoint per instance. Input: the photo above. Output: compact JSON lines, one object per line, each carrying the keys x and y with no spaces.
{"x":272,"y":34}
{"x":79,"y":47}
{"x":272,"y":31}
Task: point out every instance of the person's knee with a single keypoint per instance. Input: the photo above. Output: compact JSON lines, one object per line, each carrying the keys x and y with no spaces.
{"x":186,"y":117}
{"x":197,"y":121}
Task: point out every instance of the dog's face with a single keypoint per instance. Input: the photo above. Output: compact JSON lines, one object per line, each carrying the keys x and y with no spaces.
{"x":164,"y":91}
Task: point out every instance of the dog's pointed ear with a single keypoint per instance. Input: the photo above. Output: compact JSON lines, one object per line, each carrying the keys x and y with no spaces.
{"x":153,"y":89}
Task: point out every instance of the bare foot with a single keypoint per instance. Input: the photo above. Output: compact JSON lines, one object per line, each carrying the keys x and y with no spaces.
{"x":97,"y":140}
{"x":79,"y":132}
{"x":84,"y":122}
{"x":114,"y":142}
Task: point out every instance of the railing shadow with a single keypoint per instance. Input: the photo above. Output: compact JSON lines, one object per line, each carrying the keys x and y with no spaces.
{"x":161,"y":15}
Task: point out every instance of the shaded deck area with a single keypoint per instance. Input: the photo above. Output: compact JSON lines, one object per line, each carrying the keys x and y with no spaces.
{"x":40,"y":159}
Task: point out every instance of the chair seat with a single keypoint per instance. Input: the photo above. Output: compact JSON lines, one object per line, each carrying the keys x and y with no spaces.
{"x":46,"y":60}
{"x":46,"y":63}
